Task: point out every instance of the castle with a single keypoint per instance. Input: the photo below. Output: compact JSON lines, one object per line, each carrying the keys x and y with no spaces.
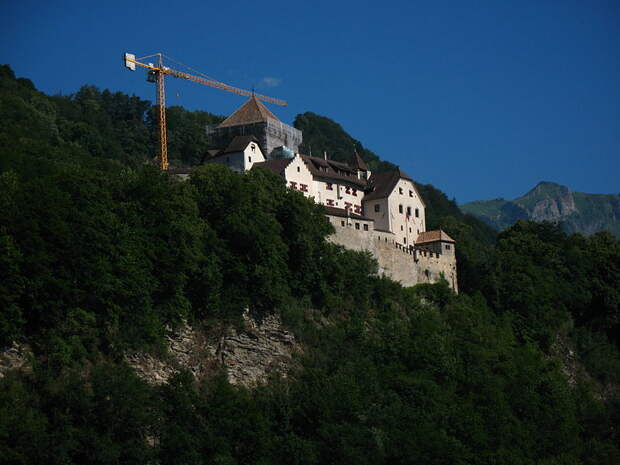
{"x":382,"y":213}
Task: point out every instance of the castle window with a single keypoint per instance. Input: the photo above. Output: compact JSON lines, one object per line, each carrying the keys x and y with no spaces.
{"x":447,"y":247}
{"x":400,"y":209}
{"x":404,"y":240}
{"x":409,"y":229}
{"x":401,"y":227}
{"x":250,"y":159}
{"x":365,"y":227}
{"x":410,"y":193}
{"x":348,"y":190}
{"x":329,"y":186}
{"x":298,"y":169}
{"x":408,"y":211}
{"x":253,"y":147}
{"x":354,"y":192}
{"x":342,"y":223}
{"x":348,"y":205}
{"x":293,"y":185}
{"x":330,"y":202}
{"x":358,"y":209}
{"x":377,"y":207}
{"x":303,"y":187}
{"x":400,"y":190}
{"x":417,"y":213}
{"x":357,"y":225}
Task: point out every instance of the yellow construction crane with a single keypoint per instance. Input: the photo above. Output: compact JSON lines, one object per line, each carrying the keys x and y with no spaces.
{"x":157,"y":73}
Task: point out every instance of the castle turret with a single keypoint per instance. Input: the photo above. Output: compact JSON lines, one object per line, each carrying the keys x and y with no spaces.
{"x":359,"y":165}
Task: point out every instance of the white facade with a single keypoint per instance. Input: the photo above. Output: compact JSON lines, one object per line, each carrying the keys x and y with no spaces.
{"x":298,"y":177}
{"x":406,"y":212}
{"x":339,"y":194}
{"x":240,"y":161}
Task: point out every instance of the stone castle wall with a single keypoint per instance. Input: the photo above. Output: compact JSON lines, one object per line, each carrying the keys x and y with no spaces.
{"x":407,"y":266}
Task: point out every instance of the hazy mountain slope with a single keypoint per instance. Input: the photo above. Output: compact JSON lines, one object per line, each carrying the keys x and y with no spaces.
{"x":548,"y":201}
{"x":321,"y":134}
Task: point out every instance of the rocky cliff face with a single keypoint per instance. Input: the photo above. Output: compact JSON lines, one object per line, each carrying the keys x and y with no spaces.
{"x":249,"y":356}
{"x":547,"y":206}
{"x":578,"y":212}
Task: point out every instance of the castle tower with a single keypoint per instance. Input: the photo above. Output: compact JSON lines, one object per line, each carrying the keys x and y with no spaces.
{"x":254,"y":118}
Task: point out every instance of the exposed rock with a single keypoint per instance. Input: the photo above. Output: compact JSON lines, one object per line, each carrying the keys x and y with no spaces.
{"x":551,"y":208}
{"x":260,"y":349}
{"x":249,"y":355}
{"x":14,"y":358}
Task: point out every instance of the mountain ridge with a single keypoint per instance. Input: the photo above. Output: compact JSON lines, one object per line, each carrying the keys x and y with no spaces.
{"x":578,"y":212}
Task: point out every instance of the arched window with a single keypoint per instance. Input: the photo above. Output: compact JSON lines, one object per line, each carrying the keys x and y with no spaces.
{"x":417,"y":212}
{"x":408,"y":211}
{"x":400,"y":209}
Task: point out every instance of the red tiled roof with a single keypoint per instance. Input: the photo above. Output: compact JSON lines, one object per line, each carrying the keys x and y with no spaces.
{"x":252,"y":111}
{"x":330,"y":169}
{"x":433,"y":236}
{"x":383,"y":184}
{"x":276,"y":166}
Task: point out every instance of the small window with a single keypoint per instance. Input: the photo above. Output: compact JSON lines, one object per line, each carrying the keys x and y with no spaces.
{"x":409,"y":229}
{"x":417,"y":213}
{"x":401,"y":227}
{"x":447,"y":247}
{"x":354,"y":192}
{"x":357,"y":225}
{"x":410,"y":193}
{"x":400,"y":209}
{"x":377,"y":207}
{"x":404,"y":240}
{"x":293,"y":185}
{"x":365,"y":227}
{"x":408,"y":211}
{"x":303,"y":187}
{"x":298,"y":169}
{"x":330,"y":202}
{"x":250,"y":159}
{"x":253,"y":147}
{"x":342,"y":223}
{"x":329,"y":186}
{"x":400,"y":190}
{"x":348,"y":190}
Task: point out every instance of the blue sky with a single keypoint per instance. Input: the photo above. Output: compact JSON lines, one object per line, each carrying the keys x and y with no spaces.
{"x":483,"y":99}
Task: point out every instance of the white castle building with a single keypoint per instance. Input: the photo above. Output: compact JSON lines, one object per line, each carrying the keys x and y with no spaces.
{"x":382,"y":213}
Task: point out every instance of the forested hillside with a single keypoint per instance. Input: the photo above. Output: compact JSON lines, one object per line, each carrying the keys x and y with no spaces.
{"x":101,"y":254}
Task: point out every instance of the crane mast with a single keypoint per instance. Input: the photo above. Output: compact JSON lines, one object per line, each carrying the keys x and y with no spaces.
{"x":157,"y":74}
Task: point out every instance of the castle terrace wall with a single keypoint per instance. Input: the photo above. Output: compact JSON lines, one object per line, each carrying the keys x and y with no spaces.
{"x":405,"y":265}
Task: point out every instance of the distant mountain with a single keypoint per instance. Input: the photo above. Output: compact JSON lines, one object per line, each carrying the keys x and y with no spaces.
{"x":548,"y":201}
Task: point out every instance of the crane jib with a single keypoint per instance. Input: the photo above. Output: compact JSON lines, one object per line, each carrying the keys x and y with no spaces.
{"x":159,"y":71}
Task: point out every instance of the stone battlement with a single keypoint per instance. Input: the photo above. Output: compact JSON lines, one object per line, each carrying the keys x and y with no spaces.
{"x":407,"y":265}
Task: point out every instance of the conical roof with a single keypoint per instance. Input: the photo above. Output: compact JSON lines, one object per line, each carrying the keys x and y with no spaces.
{"x":358,"y":163}
{"x":252,"y":111}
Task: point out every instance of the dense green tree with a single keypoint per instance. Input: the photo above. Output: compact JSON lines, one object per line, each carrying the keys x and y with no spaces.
{"x":101,"y":254}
